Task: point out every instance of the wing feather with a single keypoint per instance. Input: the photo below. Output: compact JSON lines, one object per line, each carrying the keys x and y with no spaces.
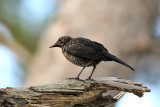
{"x":85,"y":48}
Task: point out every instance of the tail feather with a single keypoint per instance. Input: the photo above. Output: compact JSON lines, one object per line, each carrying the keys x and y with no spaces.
{"x":110,"y":57}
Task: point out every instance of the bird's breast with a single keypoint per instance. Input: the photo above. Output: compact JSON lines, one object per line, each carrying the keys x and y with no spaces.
{"x":78,"y":61}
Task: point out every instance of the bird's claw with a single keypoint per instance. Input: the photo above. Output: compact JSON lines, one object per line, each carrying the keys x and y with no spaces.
{"x":76,"y":78}
{"x":73,"y":78}
{"x":90,"y":79}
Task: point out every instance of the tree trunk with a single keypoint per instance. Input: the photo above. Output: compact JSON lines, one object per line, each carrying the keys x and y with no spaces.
{"x":70,"y":93}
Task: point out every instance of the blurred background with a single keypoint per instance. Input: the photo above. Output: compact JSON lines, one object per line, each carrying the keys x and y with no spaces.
{"x":128,"y":29}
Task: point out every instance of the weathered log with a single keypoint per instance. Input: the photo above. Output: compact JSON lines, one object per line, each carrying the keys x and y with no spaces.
{"x":71,"y":92}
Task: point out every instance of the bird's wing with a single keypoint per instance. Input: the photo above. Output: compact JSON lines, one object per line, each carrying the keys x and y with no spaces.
{"x":85,"y":48}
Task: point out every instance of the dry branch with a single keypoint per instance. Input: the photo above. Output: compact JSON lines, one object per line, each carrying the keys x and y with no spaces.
{"x":71,"y":93}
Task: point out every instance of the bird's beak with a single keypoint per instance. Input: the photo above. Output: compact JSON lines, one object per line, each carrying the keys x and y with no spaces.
{"x":55,"y":45}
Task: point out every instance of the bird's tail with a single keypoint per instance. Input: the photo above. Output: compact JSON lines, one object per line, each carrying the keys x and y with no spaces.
{"x":110,"y":57}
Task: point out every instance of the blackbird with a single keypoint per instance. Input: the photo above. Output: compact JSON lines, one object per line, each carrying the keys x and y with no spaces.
{"x":85,"y":53}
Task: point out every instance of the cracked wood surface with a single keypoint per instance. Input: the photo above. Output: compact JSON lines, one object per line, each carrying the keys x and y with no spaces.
{"x":71,"y":93}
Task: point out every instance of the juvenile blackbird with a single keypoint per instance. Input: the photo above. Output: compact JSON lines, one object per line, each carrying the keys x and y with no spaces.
{"x":84,"y":52}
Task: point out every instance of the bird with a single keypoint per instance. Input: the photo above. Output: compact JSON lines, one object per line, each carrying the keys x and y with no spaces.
{"x":85,"y":53}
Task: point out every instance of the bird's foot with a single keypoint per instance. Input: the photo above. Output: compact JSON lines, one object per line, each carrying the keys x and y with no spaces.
{"x":73,"y":78}
{"x":76,"y":78}
{"x":90,"y":79}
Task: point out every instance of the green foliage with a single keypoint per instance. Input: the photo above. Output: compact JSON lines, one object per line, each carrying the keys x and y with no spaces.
{"x":26,"y":33}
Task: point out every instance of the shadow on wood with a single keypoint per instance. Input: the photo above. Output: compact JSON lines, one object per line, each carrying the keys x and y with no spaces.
{"x":71,"y":93}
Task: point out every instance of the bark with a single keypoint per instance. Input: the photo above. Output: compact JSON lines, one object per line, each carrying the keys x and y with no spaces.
{"x":71,"y":93}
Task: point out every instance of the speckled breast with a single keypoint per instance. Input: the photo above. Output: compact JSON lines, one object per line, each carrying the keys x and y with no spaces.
{"x":78,"y":61}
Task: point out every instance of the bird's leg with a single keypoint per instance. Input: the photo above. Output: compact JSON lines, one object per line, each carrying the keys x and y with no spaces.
{"x":80,"y":73}
{"x":91,"y":73}
{"x":77,"y":75}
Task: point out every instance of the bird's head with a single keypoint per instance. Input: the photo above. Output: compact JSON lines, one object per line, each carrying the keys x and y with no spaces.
{"x":61,"y":41}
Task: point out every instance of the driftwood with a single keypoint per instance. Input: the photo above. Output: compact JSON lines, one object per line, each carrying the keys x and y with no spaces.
{"x":70,"y":92}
